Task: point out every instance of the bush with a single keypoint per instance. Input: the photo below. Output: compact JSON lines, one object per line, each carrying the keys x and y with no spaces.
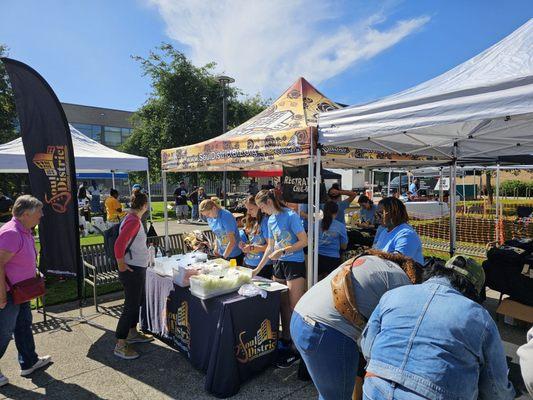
{"x":516,"y":188}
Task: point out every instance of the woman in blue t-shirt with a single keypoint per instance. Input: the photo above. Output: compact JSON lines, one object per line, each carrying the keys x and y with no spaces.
{"x":333,"y":238}
{"x":286,"y":240}
{"x":397,"y":236}
{"x":224,"y":226}
{"x":255,"y":237}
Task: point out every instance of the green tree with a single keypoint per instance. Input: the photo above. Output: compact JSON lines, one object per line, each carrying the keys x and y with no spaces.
{"x":10,"y":183}
{"x":184,"y":107}
{"x":8,"y":113}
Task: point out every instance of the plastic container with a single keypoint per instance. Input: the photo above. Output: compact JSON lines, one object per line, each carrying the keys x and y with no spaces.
{"x":206,"y":286}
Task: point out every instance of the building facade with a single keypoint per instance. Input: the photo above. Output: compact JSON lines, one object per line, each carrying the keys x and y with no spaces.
{"x":107,"y":126}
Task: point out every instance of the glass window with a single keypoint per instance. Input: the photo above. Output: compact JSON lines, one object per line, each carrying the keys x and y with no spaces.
{"x":126,"y":132}
{"x":92,"y":131}
{"x":112,"y":136}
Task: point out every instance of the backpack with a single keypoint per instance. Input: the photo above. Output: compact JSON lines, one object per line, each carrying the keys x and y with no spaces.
{"x":110,"y":237}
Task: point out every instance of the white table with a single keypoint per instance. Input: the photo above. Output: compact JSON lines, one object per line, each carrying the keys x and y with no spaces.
{"x":427,"y":209}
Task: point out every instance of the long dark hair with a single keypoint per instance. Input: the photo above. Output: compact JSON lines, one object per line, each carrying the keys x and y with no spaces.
{"x":266,"y":194}
{"x":397,"y":213}
{"x":364,"y":199}
{"x":138,"y":200}
{"x":458,"y":281}
{"x":253,"y":224}
{"x":330,"y":208}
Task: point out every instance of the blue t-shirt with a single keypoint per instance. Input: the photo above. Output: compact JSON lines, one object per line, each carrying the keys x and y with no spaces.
{"x":330,"y":241}
{"x":368,"y":216}
{"x":402,"y":239}
{"x":221,"y":225}
{"x":259,"y":239}
{"x":343,"y":205}
{"x":413,"y":189}
{"x":380,"y":229}
{"x":283,"y":228}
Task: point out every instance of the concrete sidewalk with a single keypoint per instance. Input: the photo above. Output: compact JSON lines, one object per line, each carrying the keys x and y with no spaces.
{"x":85,"y":368}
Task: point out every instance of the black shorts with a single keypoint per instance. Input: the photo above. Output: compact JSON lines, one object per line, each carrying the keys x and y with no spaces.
{"x":326,"y":264}
{"x":266,"y":272}
{"x":289,"y":270}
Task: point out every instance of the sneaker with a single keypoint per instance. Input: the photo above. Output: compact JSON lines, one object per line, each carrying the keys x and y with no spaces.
{"x":3,"y":379}
{"x":41,"y":362}
{"x":125,"y":352}
{"x":139,"y":337}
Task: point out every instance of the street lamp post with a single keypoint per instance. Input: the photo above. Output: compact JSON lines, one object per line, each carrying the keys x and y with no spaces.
{"x":224,"y":81}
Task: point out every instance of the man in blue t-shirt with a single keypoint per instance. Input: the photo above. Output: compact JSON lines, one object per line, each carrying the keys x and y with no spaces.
{"x":335,"y":194}
{"x":414,"y":187}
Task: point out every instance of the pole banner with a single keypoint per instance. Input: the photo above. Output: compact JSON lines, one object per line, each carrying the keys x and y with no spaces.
{"x":50,"y":157}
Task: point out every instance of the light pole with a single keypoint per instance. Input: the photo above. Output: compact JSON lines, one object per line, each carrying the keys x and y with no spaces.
{"x":224,"y":81}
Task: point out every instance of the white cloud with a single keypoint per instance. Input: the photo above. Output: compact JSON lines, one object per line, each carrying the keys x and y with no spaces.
{"x":266,"y":45}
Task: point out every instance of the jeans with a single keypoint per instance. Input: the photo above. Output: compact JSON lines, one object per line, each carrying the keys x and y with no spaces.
{"x":376,"y":388}
{"x":15,"y":320}
{"x":330,"y":356}
{"x":195,"y":214}
{"x":133,"y":282}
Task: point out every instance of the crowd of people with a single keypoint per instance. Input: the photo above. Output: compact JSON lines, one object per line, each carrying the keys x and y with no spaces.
{"x":386,"y":320}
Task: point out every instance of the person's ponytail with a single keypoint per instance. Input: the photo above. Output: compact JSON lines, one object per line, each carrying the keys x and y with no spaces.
{"x":330,"y":209}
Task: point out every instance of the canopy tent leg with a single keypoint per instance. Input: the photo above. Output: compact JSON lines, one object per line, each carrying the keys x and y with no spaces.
{"x":498,"y":204}
{"x":388,"y":183}
{"x":310,"y":226}
{"x":224,"y":188}
{"x":113,"y":178}
{"x":464,"y":192}
{"x":400,"y":183}
{"x":149,"y":194}
{"x":165,"y":210}
{"x":441,"y":186}
{"x":316,"y":210}
{"x":453,"y":207}
{"x":371,"y":183}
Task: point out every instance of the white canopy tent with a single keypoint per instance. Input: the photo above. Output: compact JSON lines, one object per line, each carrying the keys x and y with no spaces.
{"x":478,"y":111}
{"x":482,"y":108}
{"x":90,"y":156}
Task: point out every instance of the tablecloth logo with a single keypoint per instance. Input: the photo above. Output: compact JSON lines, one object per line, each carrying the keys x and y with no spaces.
{"x":179,"y":326}
{"x":55,"y":165}
{"x":263,"y":343}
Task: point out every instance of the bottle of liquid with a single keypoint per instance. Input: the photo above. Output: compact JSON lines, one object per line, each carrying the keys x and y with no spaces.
{"x":159,"y":254}
{"x":151,"y":251}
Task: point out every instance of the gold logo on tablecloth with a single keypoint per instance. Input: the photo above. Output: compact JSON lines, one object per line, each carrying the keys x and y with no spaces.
{"x":179,"y":326}
{"x":263,"y":343}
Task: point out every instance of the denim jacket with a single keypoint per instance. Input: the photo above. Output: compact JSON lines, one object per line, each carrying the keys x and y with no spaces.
{"x":437,"y":342}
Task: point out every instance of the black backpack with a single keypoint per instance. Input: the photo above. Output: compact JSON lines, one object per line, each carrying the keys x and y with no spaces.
{"x":110,"y":237}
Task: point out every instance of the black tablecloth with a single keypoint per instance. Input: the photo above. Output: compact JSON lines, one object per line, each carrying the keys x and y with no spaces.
{"x":229,"y":337}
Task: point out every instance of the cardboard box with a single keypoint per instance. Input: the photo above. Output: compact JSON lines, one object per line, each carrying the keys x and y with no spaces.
{"x":516,"y":310}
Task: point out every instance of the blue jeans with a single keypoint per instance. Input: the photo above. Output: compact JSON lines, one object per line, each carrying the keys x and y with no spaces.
{"x":376,"y":388}
{"x":15,"y":320}
{"x":330,"y":356}
{"x":195,"y":214}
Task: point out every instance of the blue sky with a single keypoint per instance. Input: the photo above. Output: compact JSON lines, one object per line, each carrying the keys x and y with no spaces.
{"x":353,"y":51}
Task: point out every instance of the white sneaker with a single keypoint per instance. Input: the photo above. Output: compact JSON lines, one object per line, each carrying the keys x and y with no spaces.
{"x":3,"y":379}
{"x":41,"y":362}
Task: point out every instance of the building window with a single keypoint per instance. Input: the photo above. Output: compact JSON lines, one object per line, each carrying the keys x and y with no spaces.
{"x":126,"y":133}
{"x":91,"y":131}
{"x":113,"y":136}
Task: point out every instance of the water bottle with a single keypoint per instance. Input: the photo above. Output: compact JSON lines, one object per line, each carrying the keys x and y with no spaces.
{"x":151,"y":251}
{"x":159,"y":254}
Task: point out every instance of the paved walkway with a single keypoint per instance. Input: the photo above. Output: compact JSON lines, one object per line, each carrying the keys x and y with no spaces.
{"x":85,"y":368}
